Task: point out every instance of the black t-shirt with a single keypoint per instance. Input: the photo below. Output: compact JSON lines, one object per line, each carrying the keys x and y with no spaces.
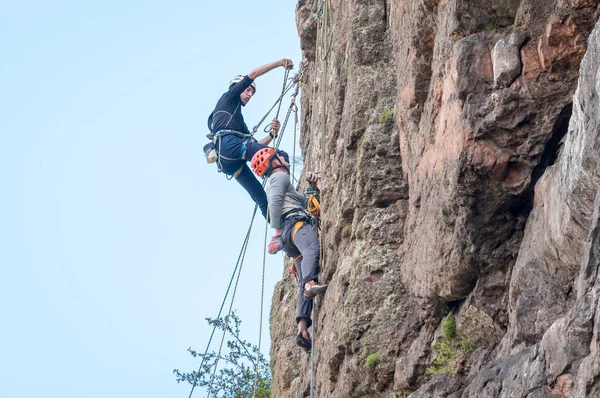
{"x":228,"y":112}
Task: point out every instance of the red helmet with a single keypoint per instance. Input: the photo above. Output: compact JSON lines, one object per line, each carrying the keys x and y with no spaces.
{"x":261,"y":161}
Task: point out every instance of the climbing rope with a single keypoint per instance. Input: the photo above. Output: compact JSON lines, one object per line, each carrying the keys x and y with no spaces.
{"x":295,"y":109}
{"x":287,"y":116}
{"x":314,"y":349}
{"x":314,"y":208}
{"x":278,"y":102}
{"x":302,"y":71}
{"x":324,"y":82}
{"x":239,"y":264}
{"x":312,"y":115}
{"x":324,"y":39}
{"x":262,"y":295}
{"x":326,"y":22}
{"x":216,"y":365}
{"x":268,"y":128}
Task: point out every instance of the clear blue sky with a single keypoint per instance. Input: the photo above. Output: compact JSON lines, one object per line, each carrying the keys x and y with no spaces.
{"x":116,"y":238}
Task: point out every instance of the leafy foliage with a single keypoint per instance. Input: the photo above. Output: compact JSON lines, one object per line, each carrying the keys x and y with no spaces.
{"x":449,"y":328}
{"x":236,"y":374}
{"x":491,"y":25}
{"x":451,"y":352}
{"x":347,"y":231}
{"x":373,"y":359}
{"x":387,"y":115}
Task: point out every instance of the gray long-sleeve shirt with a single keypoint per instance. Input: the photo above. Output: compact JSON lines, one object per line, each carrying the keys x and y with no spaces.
{"x":282,"y":197}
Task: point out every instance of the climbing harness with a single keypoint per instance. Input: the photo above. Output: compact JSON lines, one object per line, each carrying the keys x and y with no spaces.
{"x":217,"y":143}
{"x":210,"y":149}
{"x":297,"y":226}
{"x":295,"y":229}
{"x":313,"y":207}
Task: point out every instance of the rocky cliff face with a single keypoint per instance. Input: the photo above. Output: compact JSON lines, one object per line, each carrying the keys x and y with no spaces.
{"x":460,"y":149}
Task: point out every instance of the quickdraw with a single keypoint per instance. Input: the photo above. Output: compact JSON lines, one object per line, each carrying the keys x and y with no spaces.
{"x":314,"y":208}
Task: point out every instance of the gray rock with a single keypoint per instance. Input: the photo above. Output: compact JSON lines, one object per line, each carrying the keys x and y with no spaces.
{"x":506,"y":59}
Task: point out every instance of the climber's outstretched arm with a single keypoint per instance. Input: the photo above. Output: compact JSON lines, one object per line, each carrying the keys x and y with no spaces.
{"x":261,"y":70}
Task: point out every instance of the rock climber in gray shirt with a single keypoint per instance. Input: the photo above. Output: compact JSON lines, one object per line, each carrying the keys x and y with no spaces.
{"x":295,"y":233}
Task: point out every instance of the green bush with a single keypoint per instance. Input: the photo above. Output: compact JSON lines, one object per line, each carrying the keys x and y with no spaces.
{"x":451,"y":352}
{"x":490,"y":25}
{"x":387,"y":115}
{"x":449,"y":328}
{"x":347,"y":230}
{"x":373,"y":359}
{"x":237,"y":374}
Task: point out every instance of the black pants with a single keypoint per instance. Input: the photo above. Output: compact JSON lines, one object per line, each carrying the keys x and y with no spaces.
{"x":241,"y":151}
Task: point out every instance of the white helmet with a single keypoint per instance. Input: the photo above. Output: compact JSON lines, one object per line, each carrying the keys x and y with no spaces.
{"x":238,"y":79}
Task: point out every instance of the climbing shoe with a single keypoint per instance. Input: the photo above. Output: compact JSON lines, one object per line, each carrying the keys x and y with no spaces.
{"x":301,"y":342}
{"x":314,"y":291}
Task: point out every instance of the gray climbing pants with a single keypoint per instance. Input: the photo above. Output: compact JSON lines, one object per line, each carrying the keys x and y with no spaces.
{"x":307,"y":267}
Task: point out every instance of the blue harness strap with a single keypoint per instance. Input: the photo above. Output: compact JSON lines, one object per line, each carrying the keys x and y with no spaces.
{"x":243,"y":149}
